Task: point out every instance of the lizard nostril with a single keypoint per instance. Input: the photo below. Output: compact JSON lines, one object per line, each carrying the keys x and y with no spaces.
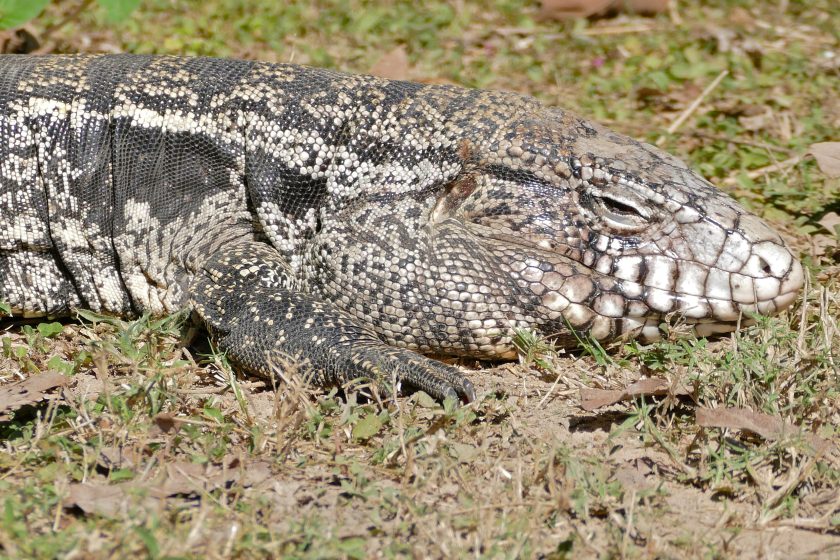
{"x":765,"y":266}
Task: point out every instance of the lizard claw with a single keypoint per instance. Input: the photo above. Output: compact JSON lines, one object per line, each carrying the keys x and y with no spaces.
{"x":440,"y":381}
{"x":468,"y":391}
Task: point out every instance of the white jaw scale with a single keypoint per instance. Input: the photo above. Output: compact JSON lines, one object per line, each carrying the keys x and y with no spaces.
{"x":603,"y":235}
{"x":713,"y":277}
{"x":704,"y":261}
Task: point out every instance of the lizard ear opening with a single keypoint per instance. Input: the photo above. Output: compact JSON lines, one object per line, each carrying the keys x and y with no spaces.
{"x":453,"y":196}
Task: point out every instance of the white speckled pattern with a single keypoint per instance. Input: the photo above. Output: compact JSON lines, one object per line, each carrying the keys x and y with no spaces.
{"x":349,"y":223}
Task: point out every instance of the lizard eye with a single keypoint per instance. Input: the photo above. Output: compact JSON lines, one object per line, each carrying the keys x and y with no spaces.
{"x":622,"y":215}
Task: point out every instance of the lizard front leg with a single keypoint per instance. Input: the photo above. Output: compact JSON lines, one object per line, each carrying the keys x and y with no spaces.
{"x":244,"y":295}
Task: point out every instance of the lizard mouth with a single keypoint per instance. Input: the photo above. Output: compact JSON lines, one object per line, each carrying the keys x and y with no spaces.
{"x":708,"y":308}
{"x":646,"y":327}
{"x":586,"y":298}
{"x":727,"y":315}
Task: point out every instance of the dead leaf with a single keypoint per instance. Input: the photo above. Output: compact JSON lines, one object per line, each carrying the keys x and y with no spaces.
{"x":86,"y":387}
{"x":570,"y":9}
{"x":767,"y":426}
{"x":108,"y":500}
{"x":18,"y":41}
{"x":188,"y":478}
{"x":592,"y":399}
{"x":827,"y":245}
{"x":392,"y":65}
{"x":823,"y":497}
{"x":632,"y":476}
{"x":831,"y":222}
{"x":174,"y":479}
{"x":756,"y":122}
{"x":742,"y":16}
{"x":29,"y":391}
{"x":646,"y":7}
{"x":184,"y":478}
{"x":256,"y":473}
{"x":464,"y":452}
{"x":113,"y":458}
{"x":165,"y":423}
{"x":827,"y":155}
{"x":284,"y":493}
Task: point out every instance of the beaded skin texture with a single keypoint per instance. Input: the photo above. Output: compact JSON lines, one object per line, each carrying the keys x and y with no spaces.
{"x":350,"y":225}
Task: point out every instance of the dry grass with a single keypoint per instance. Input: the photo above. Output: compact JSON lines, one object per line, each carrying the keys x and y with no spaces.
{"x":156,"y":448}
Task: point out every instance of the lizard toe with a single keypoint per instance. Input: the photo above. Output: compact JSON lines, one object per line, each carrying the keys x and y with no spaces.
{"x":468,"y":390}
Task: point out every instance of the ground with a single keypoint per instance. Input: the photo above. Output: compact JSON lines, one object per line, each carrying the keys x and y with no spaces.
{"x":148,"y":445}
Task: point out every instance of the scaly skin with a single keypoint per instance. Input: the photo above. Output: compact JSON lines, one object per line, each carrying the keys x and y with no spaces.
{"x":350,"y":224}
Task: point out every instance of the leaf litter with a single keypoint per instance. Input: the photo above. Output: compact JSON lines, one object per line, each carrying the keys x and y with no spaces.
{"x":29,"y":391}
{"x":558,"y":453}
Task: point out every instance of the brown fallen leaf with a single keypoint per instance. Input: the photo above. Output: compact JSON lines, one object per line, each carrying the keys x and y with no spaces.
{"x":767,"y":426}
{"x":285,"y":494}
{"x":570,"y":9}
{"x":633,"y":476}
{"x":113,"y":458}
{"x":85,"y":387}
{"x":831,"y":222}
{"x":646,"y":7}
{"x":822,"y":497}
{"x":393,"y":65}
{"x":29,"y":391}
{"x":252,"y":473}
{"x":186,"y":478}
{"x":756,"y":122}
{"x":108,"y":500}
{"x":827,"y":246}
{"x":18,"y":41}
{"x":592,"y":399}
{"x":174,"y":479}
{"x":165,"y":423}
{"x":827,"y":155}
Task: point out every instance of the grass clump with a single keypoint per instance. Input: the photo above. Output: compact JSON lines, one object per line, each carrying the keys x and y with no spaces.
{"x":155,"y":448}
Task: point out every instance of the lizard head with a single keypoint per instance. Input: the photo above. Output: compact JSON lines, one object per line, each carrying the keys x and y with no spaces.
{"x":611,"y":236}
